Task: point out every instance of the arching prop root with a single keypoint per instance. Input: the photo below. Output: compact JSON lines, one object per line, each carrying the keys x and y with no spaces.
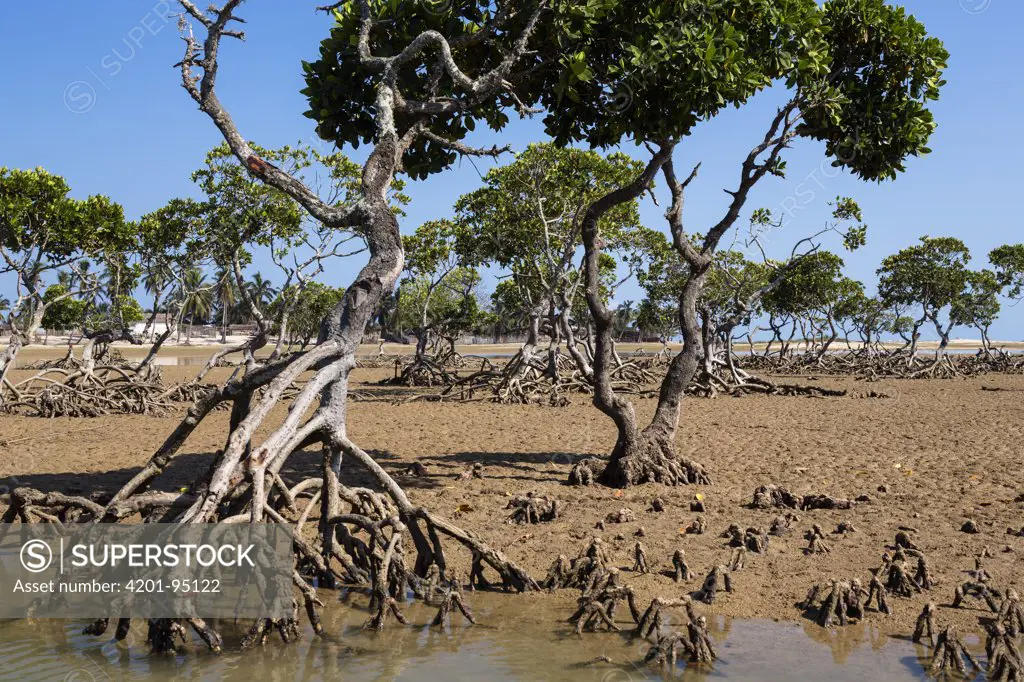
{"x":1004,"y":659}
{"x":693,"y":644}
{"x":925,"y":626}
{"x":596,"y":606}
{"x":532,"y":508}
{"x":360,"y":533}
{"x":426,"y":371}
{"x":836,"y":602}
{"x":950,"y":654}
{"x":681,"y":570}
{"x":589,"y":566}
{"x":895,"y":573}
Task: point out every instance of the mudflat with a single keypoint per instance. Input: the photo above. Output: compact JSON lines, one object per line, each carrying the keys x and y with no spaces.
{"x":931,"y":455}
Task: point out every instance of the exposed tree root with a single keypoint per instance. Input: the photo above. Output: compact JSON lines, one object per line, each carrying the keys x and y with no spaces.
{"x":753,"y":539}
{"x":87,"y":392}
{"x":651,"y":458}
{"x":623,"y":515}
{"x":694,"y":646}
{"x":531,"y":508}
{"x":452,"y":598}
{"x":425,"y":371}
{"x":836,"y":603}
{"x":772,"y":496}
{"x":950,"y":654}
{"x":925,"y":626}
{"x":680,"y":567}
{"x":476,"y":471}
{"x":878,"y":592}
{"x":977,"y":589}
{"x":816,"y":541}
{"x":697,"y":526}
{"x":717,"y":579}
{"x":782,"y":524}
{"x":582,"y":572}
{"x":584,"y":472}
{"x":1005,"y":663}
{"x":596,"y":606}
{"x":895,"y":573}
{"x":881,"y":364}
{"x":640,"y":559}
{"x":1011,"y":613}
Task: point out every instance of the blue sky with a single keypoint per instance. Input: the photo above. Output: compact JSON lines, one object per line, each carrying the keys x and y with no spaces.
{"x":89,"y":92}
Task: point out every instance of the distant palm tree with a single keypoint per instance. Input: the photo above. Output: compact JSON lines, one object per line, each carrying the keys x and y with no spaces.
{"x":77,"y":279}
{"x":195,"y":298}
{"x":226,"y":293}
{"x":261,"y":291}
{"x":156,"y":277}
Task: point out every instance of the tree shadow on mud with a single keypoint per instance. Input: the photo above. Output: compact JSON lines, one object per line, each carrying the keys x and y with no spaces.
{"x":535,"y":466}
{"x":186,"y":469}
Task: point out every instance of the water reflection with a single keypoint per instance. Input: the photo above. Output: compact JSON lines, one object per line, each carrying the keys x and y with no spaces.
{"x":519,"y":638}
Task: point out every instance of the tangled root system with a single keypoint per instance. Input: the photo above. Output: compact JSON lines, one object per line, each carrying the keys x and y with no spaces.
{"x":585,"y":570}
{"x":951,"y":654}
{"x":836,"y":603}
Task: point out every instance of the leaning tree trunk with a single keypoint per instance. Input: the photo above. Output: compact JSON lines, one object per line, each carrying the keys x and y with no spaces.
{"x":17,"y":340}
{"x":282,"y":331}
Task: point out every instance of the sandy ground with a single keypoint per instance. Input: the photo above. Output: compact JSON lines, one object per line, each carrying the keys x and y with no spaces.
{"x":947,"y":450}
